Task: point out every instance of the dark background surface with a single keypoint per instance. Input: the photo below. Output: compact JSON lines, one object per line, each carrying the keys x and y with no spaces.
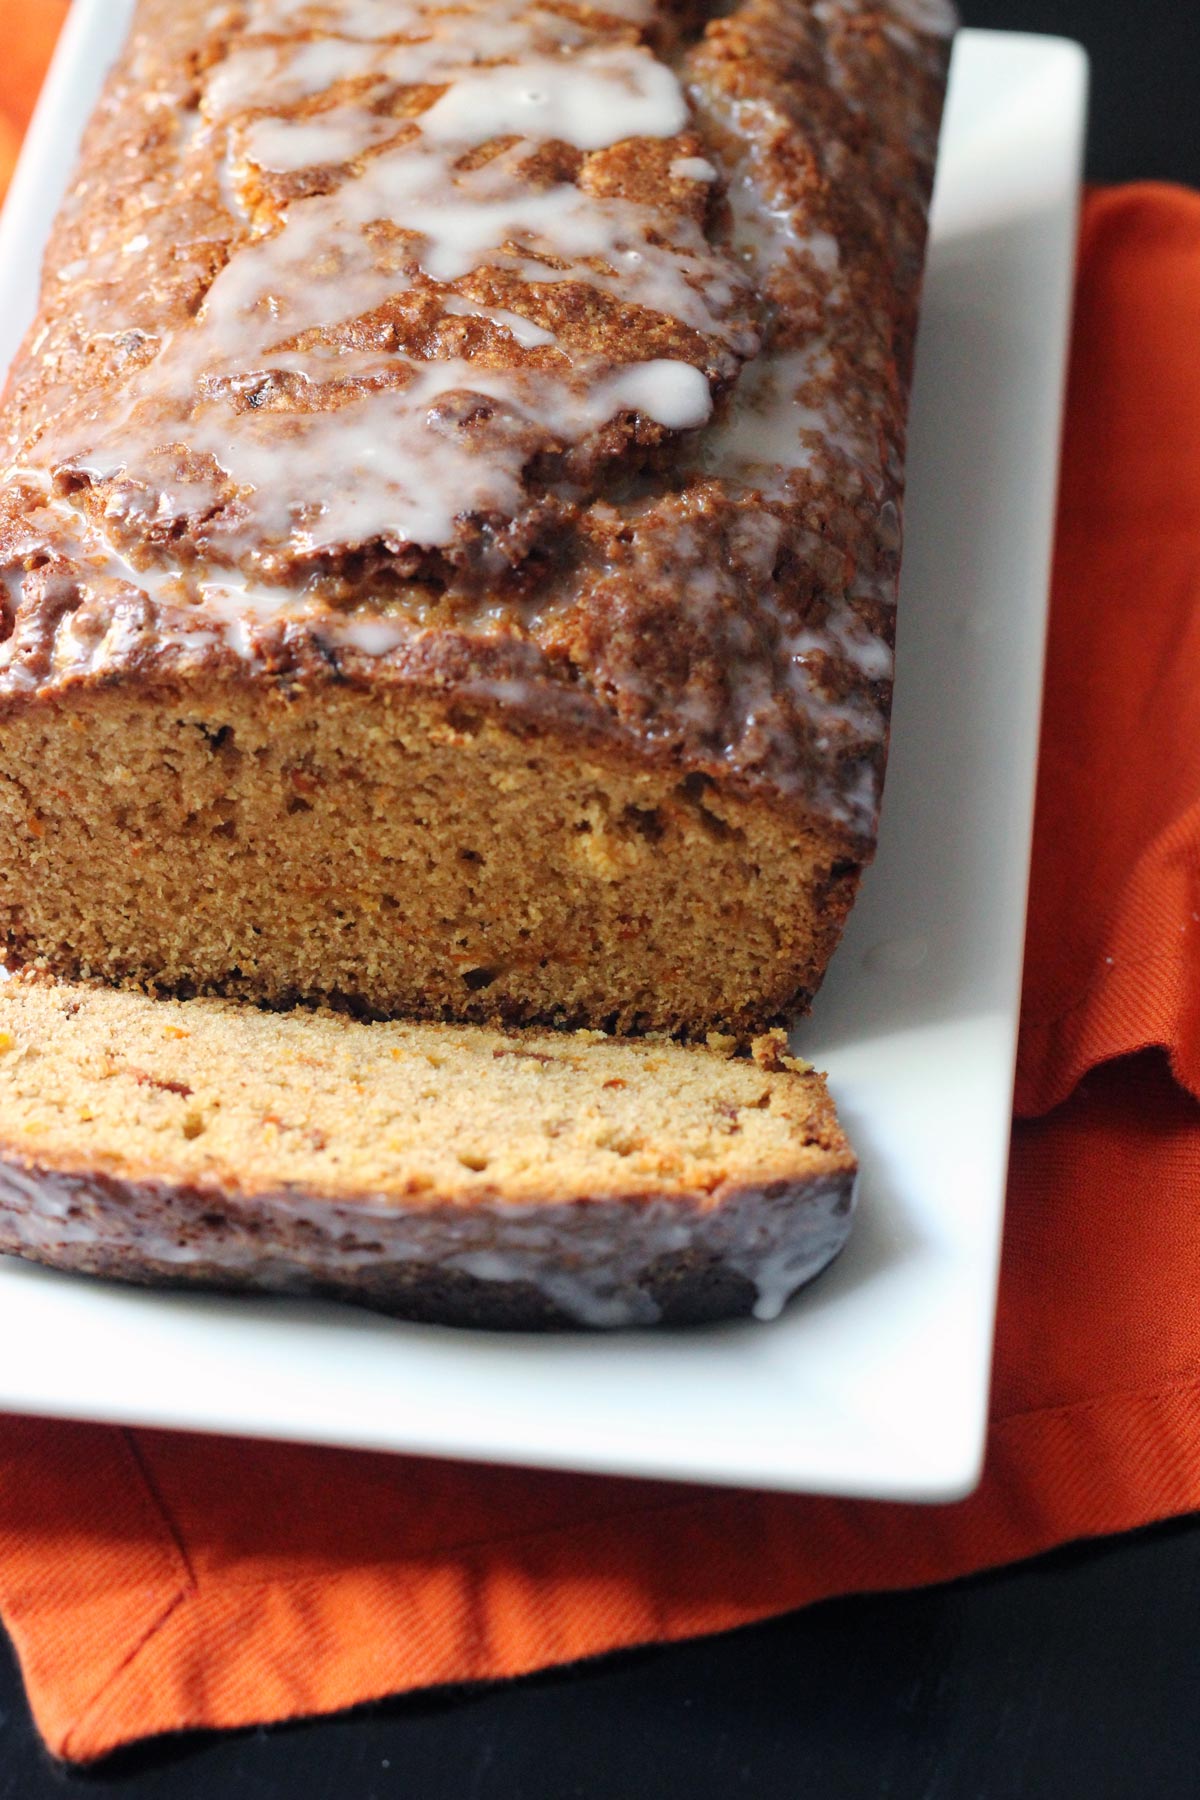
{"x":1075,"y":1678}
{"x":1145,"y":117}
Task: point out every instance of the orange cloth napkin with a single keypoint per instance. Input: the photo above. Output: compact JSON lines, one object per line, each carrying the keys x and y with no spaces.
{"x":153,"y":1581}
{"x":31,"y":28}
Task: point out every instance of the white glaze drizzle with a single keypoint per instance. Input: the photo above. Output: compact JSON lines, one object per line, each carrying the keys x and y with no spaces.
{"x":929,"y":18}
{"x":406,"y":474}
{"x":788,"y":416}
{"x":938,"y":18}
{"x":773,"y":429}
{"x":273,"y":289}
{"x":283,"y":146}
{"x":602,"y":97}
{"x":694,"y":168}
{"x":388,"y":464}
{"x":524,"y":331}
{"x":588,"y":1261}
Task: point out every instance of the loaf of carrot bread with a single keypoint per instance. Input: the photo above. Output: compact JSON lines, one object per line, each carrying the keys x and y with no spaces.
{"x":452,"y":1173}
{"x":451,"y":523}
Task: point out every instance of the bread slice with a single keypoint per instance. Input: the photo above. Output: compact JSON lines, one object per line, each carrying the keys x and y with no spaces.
{"x":456,"y":1174}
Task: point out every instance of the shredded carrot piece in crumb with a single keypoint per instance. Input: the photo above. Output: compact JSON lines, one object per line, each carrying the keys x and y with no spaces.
{"x":7,"y":1042}
{"x":173,"y":1031}
{"x":36,"y":826}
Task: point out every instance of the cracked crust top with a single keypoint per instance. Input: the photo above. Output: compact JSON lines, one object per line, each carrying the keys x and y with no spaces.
{"x":555,"y":353}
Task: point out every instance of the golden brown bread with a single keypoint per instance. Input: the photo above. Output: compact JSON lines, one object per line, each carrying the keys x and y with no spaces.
{"x":450,"y":1173}
{"x":449,"y":546}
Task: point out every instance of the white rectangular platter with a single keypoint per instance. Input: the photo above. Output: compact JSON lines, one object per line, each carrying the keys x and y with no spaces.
{"x":875,"y":1382}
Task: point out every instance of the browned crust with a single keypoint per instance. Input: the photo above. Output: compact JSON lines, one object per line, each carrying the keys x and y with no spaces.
{"x":591,"y":599}
{"x":598,"y":1262}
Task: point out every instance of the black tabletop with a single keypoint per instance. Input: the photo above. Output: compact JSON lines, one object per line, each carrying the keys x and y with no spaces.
{"x":1072,"y":1676}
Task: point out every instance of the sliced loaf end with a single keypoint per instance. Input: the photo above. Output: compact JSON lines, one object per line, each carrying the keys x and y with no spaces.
{"x":449,"y":1173}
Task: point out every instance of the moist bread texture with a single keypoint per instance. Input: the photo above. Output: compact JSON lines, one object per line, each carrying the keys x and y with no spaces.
{"x":455,"y":1174}
{"x":450,"y":535}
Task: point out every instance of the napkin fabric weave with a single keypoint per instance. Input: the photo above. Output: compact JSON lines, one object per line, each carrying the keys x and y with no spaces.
{"x":154,"y":1581}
